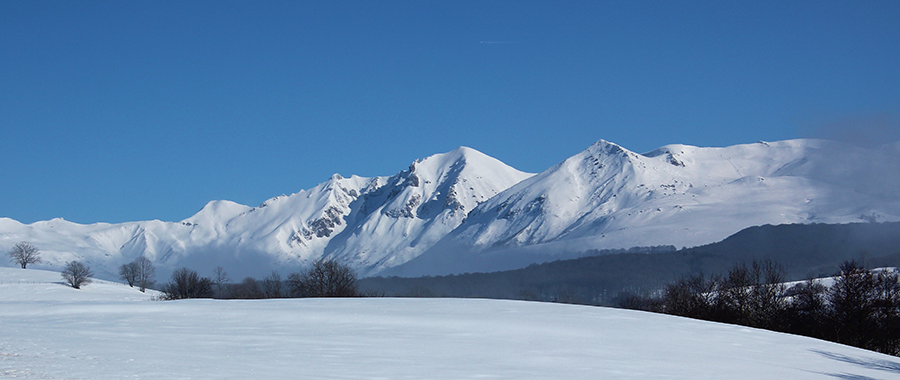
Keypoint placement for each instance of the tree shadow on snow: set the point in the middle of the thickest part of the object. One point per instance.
(892, 367)
(847, 376)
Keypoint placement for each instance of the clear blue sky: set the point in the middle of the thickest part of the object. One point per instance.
(134, 110)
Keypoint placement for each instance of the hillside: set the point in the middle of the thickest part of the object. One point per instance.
(805, 251)
(40, 286)
(369, 223)
(608, 197)
(57, 336)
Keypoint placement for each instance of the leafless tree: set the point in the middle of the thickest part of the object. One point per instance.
(852, 299)
(77, 274)
(220, 278)
(25, 253)
(144, 272)
(187, 283)
(140, 272)
(325, 278)
(272, 285)
(692, 296)
(247, 289)
(128, 273)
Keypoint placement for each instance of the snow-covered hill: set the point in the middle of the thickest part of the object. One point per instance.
(49, 332)
(609, 197)
(370, 223)
(34, 286)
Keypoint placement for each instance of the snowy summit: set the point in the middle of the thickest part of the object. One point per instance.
(447, 212)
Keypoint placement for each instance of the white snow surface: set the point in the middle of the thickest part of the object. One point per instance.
(464, 211)
(106, 331)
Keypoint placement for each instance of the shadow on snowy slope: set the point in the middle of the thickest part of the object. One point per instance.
(874, 364)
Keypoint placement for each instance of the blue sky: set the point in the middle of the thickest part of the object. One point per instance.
(135, 110)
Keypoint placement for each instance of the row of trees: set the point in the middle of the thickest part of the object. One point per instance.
(324, 278)
(861, 308)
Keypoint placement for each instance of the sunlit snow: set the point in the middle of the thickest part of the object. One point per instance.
(111, 331)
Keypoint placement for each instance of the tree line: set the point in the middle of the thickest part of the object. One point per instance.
(324, 278)
(860, 308)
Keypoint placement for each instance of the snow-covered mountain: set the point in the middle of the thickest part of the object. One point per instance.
(370, 223)
(463, 211)
(609, 197)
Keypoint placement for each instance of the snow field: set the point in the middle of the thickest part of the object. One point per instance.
(112, 333)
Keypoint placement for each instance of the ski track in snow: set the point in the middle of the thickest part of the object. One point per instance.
(110, 331)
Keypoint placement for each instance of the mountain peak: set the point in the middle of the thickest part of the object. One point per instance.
(603, 197)
(454, 157)
(607, 146)
(216, 211)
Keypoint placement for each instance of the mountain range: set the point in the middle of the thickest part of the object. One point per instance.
(464, 211)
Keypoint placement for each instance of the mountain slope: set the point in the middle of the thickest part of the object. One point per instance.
(804, 251)
(609, 197)
(415, 208)
(370, 223)
(463, 211)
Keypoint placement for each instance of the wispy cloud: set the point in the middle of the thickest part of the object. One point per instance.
(867, 130)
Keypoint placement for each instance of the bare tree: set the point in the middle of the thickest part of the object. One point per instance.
(272, 285)
(852, 299)
(144, 272)
(325, 278)
(220, 279)
(25, 253)
(692, 296)
(808, 309)
(768, 304)
(187, 283)
(128, 273)
(77, 274)
(247, 289)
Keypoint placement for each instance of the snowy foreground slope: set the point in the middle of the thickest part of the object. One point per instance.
(463, 211)
(49, 334)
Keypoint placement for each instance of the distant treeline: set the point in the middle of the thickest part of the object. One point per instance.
(324, 278)
(804, 251)
(861, 308)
